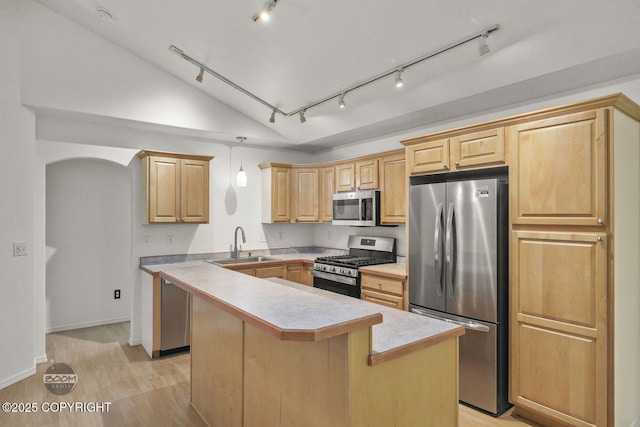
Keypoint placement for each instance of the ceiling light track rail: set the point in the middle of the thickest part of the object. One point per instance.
(396, 71)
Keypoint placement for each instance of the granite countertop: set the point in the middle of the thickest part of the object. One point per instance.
(291, 311)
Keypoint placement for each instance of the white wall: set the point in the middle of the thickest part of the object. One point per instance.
(88, 240)
(17, 208)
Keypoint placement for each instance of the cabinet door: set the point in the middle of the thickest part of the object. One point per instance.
(559, 325)
(345, 177)
(367, 174)
(477, 149)
(194, 191)
(280, 194)
(428, 157)
(163, 190)
(393, 190)
(305, 195)
(307, 276)
(294, 273)
(561, 170)
(328, 188)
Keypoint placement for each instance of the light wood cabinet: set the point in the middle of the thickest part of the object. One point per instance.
(305, 197)
(561, 176)
(393, 189)
(294, 272)
(345, 176)
(271, 271)
(367, 174)
(326, 193)
(384, 290)
(276, 192)
(559, 325)
(176, 187)
(359, 175)
(307, 276)
(460, 152)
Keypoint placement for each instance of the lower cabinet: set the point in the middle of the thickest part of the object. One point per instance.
(273, 271)
(384, 290)
(559, 326)
(298, 272)
(294, 273)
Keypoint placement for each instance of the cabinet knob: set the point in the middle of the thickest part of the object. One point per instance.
(600, 221)
(600, 239)
(445, 166)
(379, 285)
(456, 164)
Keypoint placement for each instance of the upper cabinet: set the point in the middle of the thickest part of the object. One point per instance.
(305, 195)
(561, 173)
(393, 189)
(358, 175)
(328, 186)
(276, 192)
(177, 187)
(466, 151)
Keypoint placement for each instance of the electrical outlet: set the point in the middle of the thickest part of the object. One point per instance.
(169, 239)
(329, 234)
(20, 248)
(280, 234)
(262, 238)
(146, 240)
(116, 294)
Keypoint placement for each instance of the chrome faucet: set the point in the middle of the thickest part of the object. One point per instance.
(234, 254)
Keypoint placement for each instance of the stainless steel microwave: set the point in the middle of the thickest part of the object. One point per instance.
(357, 208)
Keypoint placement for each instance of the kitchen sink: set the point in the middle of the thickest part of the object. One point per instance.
(228, 261)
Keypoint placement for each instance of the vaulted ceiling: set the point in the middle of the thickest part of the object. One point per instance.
(312, 49)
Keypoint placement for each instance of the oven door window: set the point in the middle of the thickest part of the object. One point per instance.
(347, 209)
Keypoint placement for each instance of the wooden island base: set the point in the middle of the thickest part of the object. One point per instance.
(243, 376)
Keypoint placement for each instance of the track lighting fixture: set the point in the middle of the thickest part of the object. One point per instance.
(264, 14)
(341, 103)
(398, 80)
(396, 72)
(200, 75)
(482, 44)
(241, 178)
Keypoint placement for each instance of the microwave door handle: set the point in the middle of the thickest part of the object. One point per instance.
(449, 249)
(437, 250)
(363, 209)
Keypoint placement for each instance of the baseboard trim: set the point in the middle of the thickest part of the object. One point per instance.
(86, 325)
(17, 377)
(135, 341)
(41, 359)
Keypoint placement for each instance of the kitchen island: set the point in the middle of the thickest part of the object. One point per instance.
(267, 353)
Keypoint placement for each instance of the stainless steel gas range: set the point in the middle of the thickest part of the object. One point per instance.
(341, 274)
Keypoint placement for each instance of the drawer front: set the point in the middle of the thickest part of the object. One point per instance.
(383, 299)
(263, 272)
(384, 284)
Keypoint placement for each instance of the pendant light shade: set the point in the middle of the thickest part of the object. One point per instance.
(241, 178)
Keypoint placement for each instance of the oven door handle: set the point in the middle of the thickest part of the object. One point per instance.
(335, 278)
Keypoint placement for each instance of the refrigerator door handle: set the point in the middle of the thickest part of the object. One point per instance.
(437, 249)
(449, 250)
(467, 325)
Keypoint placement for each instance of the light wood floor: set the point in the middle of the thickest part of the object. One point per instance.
(142, 392)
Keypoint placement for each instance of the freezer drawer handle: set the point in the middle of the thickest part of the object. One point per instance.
(467, 325)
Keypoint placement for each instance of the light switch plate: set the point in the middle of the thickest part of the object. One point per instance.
(20, 248)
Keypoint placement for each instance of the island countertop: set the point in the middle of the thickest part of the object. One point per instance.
(289, 311)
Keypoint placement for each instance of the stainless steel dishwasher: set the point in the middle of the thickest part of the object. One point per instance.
(175, 319)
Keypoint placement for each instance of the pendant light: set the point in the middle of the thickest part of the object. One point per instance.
(241, 179)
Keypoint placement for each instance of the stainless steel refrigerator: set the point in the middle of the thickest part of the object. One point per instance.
(458, 271)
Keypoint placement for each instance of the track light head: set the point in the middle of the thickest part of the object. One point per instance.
(272, 119)
(399, 82)
(341, 103)
(302, 118)
(264, 14)
(482, 44)
(200, 75)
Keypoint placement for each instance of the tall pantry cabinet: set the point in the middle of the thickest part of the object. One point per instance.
(575, 195)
